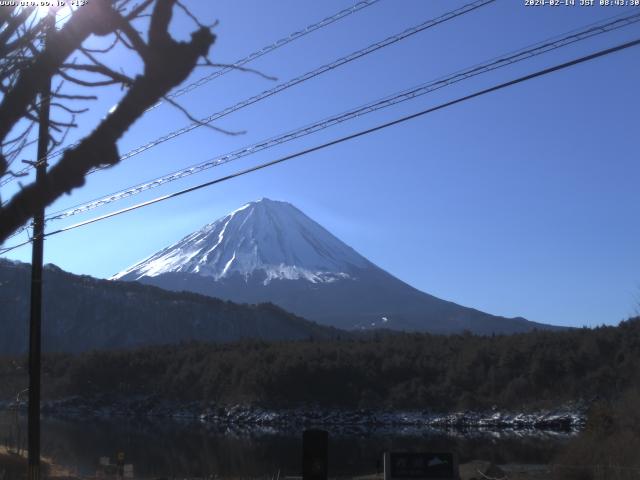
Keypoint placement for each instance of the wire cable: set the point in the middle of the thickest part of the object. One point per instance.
(218, 73)
(410, 94)
(295, 81)
(308, 76)
(539, 73)
(270, 48)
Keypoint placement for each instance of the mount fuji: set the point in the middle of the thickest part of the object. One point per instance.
(269, 251)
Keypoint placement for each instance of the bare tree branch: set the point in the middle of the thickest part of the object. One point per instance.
(135, 13)
(209, 63)
(135, 40)
(13, 24)
(74, 97)
(167, 63)
(195, 120)
(87, 83)
(100, 69)
(57, 143)
(105, 49)
(68, 109)
(96, 17)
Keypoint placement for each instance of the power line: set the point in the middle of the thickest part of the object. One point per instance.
(525, 53)
(295, 81)
(270, 48)
(218, 73)
(307, 76)
(539, 73)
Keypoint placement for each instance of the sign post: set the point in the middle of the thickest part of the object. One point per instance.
(420, 466)
(315, 454)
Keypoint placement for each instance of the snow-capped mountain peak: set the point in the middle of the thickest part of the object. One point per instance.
(269, 251)
(266, 237)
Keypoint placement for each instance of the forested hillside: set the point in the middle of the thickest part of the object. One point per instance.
(423, 371)
(82, 313)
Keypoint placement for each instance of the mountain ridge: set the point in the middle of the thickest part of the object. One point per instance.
(269, 250)
(83, 313)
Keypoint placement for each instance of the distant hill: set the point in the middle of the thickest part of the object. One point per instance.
(269, 251)
(83, 313)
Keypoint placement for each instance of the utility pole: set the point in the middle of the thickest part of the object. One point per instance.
(37, 255)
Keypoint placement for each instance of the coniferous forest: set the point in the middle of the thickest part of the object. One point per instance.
(595, 369)
(378, 370)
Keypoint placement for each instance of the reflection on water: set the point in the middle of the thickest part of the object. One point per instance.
(167, 448)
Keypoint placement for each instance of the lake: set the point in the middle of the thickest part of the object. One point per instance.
(175, 448)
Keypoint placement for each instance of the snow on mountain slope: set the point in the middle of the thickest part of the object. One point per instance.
(263, 236)
(269, 251)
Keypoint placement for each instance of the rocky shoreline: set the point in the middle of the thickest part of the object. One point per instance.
(571, 418)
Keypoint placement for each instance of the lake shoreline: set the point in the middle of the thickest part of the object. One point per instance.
(562, 419)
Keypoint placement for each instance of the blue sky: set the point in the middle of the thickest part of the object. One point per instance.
(522, 202)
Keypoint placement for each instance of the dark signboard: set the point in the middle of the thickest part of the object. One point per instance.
(423, 465)
(315, 454)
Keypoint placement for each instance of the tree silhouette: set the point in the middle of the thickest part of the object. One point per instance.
(25, 60)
